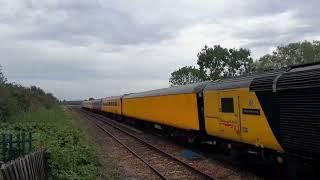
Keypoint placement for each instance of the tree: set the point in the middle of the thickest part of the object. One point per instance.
(212, 61)
(239, 62)
(8, 105)
(3, 79)
(215, 63)
(218, 62)
(185, 75)
(16, 98)
(291, 54)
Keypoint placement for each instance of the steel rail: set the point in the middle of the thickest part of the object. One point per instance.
(103, 119)
(128, 148)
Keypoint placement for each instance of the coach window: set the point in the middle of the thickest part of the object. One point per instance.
(227, 105)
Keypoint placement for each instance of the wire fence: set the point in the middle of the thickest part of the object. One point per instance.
(13, 146)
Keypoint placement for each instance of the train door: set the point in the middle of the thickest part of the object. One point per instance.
(229, 114)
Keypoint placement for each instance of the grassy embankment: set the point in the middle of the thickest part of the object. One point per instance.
(54, 128)
(70, 156)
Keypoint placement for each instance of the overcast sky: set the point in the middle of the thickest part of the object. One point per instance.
(95, 48)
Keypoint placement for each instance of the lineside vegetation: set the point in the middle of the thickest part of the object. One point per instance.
(30, 109)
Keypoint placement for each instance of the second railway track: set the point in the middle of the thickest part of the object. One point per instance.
(161, 163)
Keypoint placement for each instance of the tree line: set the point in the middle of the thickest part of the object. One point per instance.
(15, 98)
(218, 62)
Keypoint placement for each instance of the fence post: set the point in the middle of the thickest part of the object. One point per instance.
(10, 146)
(4, 147)
(30, 141)
(19, 144)
(46, 166)
(23, 142)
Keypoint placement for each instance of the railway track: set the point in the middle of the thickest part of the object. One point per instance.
(161, 163)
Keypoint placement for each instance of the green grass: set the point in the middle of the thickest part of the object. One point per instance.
(70, 156)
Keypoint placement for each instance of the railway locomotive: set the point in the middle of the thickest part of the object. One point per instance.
(275, 115)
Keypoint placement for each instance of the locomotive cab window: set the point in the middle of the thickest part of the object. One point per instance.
(227, 105)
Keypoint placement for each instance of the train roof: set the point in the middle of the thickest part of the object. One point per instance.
(238, 82)
(245, 81)
(184, 89)
(93, 100)
(111, 98)
(304, 67)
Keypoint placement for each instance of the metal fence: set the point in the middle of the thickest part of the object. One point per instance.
(13, 146)
(33, 166)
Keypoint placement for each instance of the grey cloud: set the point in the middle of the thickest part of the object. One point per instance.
(82, 48)
(77, 21)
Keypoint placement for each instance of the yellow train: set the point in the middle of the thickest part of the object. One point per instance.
(275, 114)
(112, 105)
(173, 107)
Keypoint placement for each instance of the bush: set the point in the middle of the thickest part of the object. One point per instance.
(16, 98)
(33, 110)
(70, 157)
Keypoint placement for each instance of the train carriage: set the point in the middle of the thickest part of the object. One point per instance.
(87, 105)
(175, 106)
(233, 112)
(96, 105)
(278, 110)
(112, 105)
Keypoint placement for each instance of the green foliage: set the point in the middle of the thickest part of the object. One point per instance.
(291, 54)
(16, 98)
(215, 63)
(185, 75)
(218, 62)
(8, 105)
(53, 129)
(33, 110)
(212, 61)
(3, 79)
(239, 62)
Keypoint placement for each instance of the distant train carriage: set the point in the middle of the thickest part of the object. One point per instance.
(112, 105)
(96, 104)
(175, 106)
(87, 104)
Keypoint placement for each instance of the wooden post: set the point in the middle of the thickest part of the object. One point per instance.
(3, 147)
(19, 144)
(10, 146)
(30, 141)
(23, 142)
